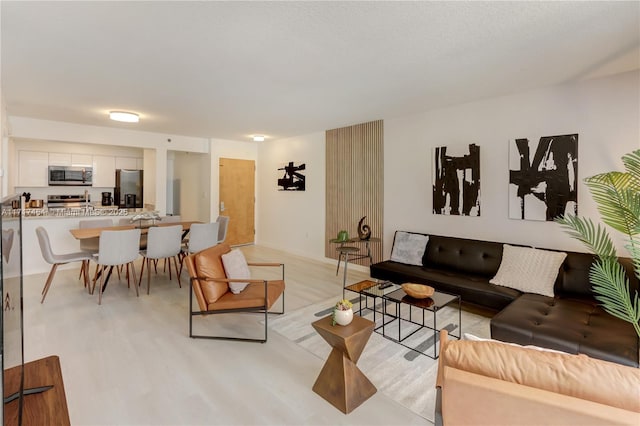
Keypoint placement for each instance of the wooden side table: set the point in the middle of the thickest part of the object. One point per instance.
(340, 381)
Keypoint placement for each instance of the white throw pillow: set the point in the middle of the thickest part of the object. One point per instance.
(409, 248)
(235, 267)
(529, 270)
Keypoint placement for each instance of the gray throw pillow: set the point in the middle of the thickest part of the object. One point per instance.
(409, 248)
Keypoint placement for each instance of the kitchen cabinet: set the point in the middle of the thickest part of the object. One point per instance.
(81, 160)
(129, 163)
(64, 159)
(104, 171)
(59, 159)
(33, 168)
(139, 163)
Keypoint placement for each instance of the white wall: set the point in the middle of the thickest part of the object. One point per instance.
(604, 112)
(193, 172)
(293, 220)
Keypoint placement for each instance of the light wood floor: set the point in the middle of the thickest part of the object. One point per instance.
(130, 361)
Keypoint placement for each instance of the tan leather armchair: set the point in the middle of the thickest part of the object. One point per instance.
(210, 286)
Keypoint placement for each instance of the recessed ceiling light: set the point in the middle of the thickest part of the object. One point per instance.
(258, 138)
(127, 117)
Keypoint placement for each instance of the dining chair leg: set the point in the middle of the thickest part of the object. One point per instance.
(133, 272)
(45, 289)
(85, 264)
(101, 286)
(175, 264)
(144, 260)
(148, 277)
(169, 261)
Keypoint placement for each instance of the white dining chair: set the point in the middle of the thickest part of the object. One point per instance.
(117, 248)
(91, 245)
(223, 224)
(59, 259)
(163, 242)
(202, 236)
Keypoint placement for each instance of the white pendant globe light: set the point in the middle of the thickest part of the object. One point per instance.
(127, 117)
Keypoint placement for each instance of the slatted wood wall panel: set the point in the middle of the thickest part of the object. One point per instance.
(354, 187)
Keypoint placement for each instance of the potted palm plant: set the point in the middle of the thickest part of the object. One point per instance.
(617, 195)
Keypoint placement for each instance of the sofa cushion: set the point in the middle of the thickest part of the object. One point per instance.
(568, 325)
(208, 264)
(578, 376)
(474, 289)
(528, 269)
(463, 255)
(235, 267)
(408, 247)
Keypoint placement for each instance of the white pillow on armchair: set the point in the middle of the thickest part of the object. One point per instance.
(235, 267)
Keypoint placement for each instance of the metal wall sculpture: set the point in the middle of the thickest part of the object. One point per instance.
(545, 186)
(456, 181)
(293, 179)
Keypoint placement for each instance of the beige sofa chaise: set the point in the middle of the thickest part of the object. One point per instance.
(493, 383)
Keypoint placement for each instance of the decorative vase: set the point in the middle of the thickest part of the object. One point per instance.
(343, 317)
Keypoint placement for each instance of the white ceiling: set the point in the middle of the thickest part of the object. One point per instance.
(233, 69)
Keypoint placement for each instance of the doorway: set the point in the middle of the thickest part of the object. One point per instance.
(237, 199)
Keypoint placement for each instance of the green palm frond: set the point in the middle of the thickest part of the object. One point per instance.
(611, 287)
(632, 164)
(618, 197)
(594, 237)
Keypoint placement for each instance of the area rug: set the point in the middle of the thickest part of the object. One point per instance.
(402, 374)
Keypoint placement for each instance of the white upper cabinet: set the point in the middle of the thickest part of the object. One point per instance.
(33, 168)
(65, 159)
(81, 160)
(126, 163)
(104, 171)
(139, 163)
(59, 159)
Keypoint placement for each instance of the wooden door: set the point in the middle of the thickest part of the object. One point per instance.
(237, 199)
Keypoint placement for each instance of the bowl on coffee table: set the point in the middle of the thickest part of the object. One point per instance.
(418, 291)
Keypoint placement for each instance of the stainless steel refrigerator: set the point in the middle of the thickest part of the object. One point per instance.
(128, 191)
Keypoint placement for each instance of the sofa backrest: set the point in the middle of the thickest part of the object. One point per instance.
(472, 256)
(574, 375)
(484, 257)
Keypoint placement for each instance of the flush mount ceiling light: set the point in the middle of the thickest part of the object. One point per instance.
(127, 117)
(258, 138)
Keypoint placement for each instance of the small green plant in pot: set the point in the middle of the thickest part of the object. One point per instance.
(342, 313)
(617, 195)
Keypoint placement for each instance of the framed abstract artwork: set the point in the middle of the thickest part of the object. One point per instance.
(543, 177)
(456, 180)
(292, 177)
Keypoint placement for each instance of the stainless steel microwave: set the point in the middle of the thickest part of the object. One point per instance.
(68, 175)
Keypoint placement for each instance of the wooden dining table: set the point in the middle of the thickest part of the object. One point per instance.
(86, 233)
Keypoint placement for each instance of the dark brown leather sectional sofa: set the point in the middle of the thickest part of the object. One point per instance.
(572, 321)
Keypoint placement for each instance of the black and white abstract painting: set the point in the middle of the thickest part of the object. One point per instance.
(292, 177)
(543, 177)
(456, 180)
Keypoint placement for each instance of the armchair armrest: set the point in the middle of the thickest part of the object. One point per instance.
(264, 264)
(274, 264)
